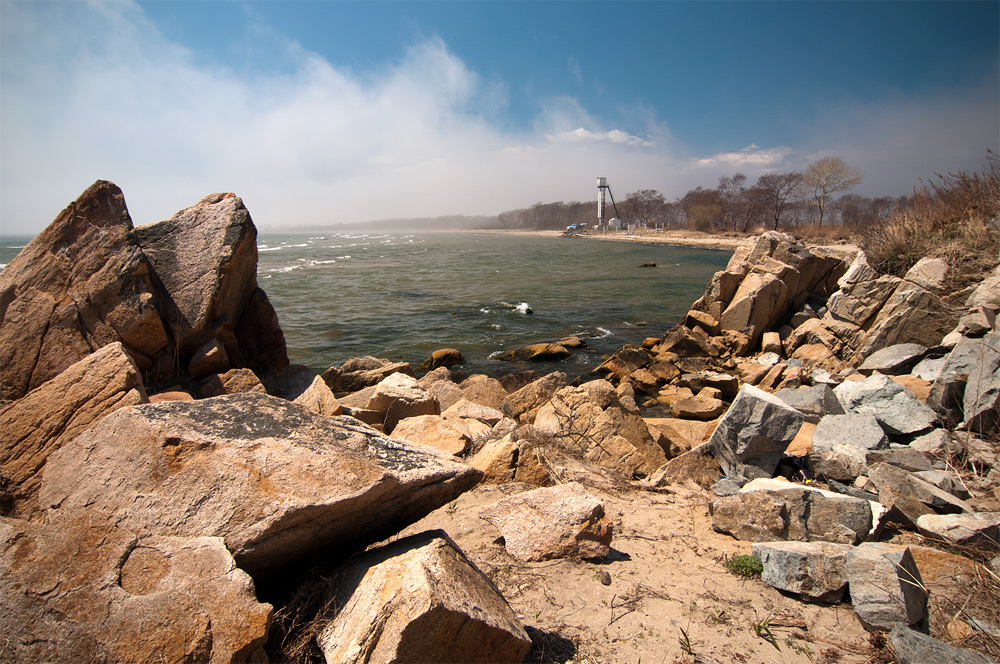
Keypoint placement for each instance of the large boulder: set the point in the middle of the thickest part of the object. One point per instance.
(754, 433)
(77, 588)
(886, 588)
(812, 570)
(968, 387)
(42, 421)
(523, 404)
(897, 410)
(563, 521)
(605, 428)
(913, 647)
(840, 444)
(361, 372)
(275, 481)
(420, 599)
(79, 285)
(399, 396)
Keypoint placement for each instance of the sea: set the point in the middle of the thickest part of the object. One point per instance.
(401, 296)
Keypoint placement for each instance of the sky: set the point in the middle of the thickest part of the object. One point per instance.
(325, 112)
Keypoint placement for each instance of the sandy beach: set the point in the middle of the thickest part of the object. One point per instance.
(727, 242)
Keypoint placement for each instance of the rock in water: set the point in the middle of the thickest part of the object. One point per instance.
(79, 285)
(420, 600)
(275, 481)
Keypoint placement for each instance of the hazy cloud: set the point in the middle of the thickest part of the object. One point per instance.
(94, 90)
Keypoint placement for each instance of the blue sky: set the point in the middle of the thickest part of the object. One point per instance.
(321, 112)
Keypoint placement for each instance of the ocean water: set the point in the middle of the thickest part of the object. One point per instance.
(402, 296)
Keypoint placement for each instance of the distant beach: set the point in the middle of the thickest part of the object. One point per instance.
(678, 238)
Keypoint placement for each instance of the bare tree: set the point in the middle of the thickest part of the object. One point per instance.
(647, 206)
(731, 194)
(775, 191)
(828, 176)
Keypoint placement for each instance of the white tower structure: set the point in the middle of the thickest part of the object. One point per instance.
(602, 187)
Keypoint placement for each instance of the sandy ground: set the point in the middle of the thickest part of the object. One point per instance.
(670, 599)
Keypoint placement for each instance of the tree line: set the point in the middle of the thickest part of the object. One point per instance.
(775, 200)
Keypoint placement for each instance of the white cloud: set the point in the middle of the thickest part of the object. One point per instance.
(750, 157)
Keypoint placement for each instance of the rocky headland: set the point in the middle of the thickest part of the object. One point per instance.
(802, 470)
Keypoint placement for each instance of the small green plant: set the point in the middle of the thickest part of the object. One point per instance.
(762, 630)
(746, 566)
(685, 642)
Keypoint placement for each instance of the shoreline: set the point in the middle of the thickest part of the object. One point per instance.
(678, 238)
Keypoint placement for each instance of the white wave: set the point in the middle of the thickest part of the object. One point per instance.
(259, 249)
(2, 265)
(329, 262)
(603, 333)
(304, 244)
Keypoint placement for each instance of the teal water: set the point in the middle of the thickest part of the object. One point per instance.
(403, 296)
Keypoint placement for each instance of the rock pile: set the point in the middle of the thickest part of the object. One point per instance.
(818, 400)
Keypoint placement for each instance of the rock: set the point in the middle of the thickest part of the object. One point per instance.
(770, 510)
(171, 395)
(943, 480)
(812, 332)
(679, 436)
(79, 285)
(971, 359)
(857, 302)
(704, 320)
(275, 481)
(981, 401)
(48, 417)
(928, 273)
(801, 445)
(399, 397)
(929, 368)
(987, 293)
(891, 360)
(912, 314)
(757, 305)
(977, 322)
(420, 599)
(897, 410)
(687, 342)
(893, 481)
(484, 390)
(813, 570)
(697, 408)
(75, 588)
(914, 461)
(361, 372)
(978, 531)
(471, 410)
(544, 352)
(563, 521)
(886, 588)
(624, 363)
(697, 465)
(443, 357)
(433, 431)
(261, 341)
(912, 647)
(933, 442)
(523, 404)
(771, 343)
(813, 402)
(302, 385)
(602, 427)
(497, 460)
(861, 431)
(233, 381)
(916, 386)
(754, 433)
(446, 392)
(727, 385)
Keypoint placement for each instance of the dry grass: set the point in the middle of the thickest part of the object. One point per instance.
(954, 217)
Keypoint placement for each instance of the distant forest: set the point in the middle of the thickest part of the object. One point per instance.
(774, 201)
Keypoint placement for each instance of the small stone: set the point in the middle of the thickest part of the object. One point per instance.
(605, 578)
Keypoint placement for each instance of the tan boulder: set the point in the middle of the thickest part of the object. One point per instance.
(171, 395)
(543, 352)
(698, 408)
(443, 357)
(593, 419)
(79, 285)
(275, 481)
(39, 423)
(233, 381)
(433, 431)
(361, 372)
(681, 435)
(523, 404)
(912, 314)
(483, 390)
(697, 465)
(757, 305)
(497, 459)
(562, 521)
(300, 384)
(400, 396)
(76, 588)
(420, 599)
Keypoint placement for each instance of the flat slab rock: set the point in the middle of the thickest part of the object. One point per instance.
(275, 481)
(555, 522)
(420, 599)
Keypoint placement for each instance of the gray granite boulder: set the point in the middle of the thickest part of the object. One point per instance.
(913, 647)
(886, 588)
(892, 360)
(968, 387)
(754, 433)
(977, 531)
(896, 409)
(813, 402)
(813, 570)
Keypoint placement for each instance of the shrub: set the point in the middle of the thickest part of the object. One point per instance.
(746, 566)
